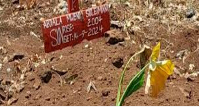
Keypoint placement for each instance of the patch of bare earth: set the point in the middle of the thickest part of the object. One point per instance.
(62, 77)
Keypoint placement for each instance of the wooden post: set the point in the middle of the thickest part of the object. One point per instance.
(73, 6)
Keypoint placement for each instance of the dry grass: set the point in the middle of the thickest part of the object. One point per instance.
(170, 13)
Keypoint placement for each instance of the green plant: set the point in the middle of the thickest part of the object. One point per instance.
(158, 71)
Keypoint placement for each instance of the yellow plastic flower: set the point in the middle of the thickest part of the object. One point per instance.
(158, 72)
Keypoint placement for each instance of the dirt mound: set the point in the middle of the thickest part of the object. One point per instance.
(62, 77)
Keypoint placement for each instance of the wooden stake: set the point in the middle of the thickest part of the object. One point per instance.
(73, 6)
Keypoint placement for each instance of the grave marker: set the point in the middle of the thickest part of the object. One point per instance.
(73, 28)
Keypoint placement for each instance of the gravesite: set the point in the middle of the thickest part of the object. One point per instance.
(99, 53)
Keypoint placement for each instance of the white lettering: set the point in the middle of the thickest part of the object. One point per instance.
(51, 35)
(52, 22)
(74, 16)
(97, 10)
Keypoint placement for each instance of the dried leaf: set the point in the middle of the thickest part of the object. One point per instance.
(144, 56)
(91, 86)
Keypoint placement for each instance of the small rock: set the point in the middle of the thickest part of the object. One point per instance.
(118, 62)
(42, 19)
(105, 60)
(3, 51)
(22, 77)
(190, 13)
(86, 46)
(117, 24)
(37, 97)
(1, 66)
(191, 67)
(16, 56)
(113, 99)
(105, 93)
(8, 70)
(115, 40)
(43, 61)
(19, 87)
(1, 8)
(48, 98)
(100, 78)
(60, 69)
(37, 83)
(46, 76)
(11, 101)
(89, 98)
(5, 59)
(115, 37)
(28, 94)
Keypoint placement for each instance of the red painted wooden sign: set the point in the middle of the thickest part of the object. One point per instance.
(73, 6)
(72, 28)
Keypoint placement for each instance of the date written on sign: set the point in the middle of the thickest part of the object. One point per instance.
(71, 29)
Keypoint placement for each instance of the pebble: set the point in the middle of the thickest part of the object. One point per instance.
(3, 50)
(100, 78)
(105, 93)
(59, 69)
(37, 83)
(191, 67)
(86, 46)
(118, 62)
(1, 66)
(37, 97)
(20, 87)
(89, 98)
(8, 70)
(115, 40)
(48, 98)
(5, 60)
(190, 13)
(28, 94)
(22, 77)
(16, 56)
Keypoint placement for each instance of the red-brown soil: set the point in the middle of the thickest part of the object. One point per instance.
(93, 63)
